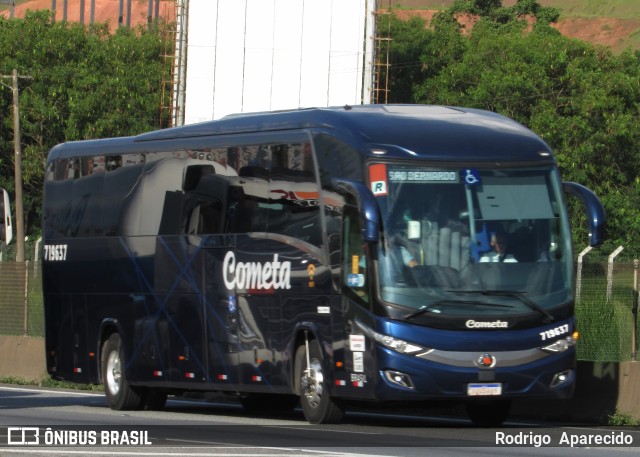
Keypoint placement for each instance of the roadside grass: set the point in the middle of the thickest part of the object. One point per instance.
(604, 329)
(619, 9)
(622, 419)
(35, 316)
(49, 382)
(605, 325)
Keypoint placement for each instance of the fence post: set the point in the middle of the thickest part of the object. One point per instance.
(610, 271)
(584, 252)
(26, 298)
(634, 312)
(36, 257)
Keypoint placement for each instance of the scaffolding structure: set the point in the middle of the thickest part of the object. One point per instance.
(382, 48)
(174, 83)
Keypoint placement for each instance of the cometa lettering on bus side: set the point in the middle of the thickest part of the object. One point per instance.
(493, 324)
(255, 275)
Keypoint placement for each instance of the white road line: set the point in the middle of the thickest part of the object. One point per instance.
(178, 452)
(44, 391)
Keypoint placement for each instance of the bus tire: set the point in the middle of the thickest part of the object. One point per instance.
(491, 413)
(317, 404)
(120, 395)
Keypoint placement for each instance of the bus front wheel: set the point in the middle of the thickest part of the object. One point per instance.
(317, 404)
(120, 395)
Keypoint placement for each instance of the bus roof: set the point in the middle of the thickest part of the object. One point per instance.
(402, 131)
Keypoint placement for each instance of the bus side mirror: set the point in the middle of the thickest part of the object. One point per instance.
(596, 218)
(367, 206)
(6, 229)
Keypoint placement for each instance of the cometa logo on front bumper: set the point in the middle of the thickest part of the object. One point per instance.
(493, 324)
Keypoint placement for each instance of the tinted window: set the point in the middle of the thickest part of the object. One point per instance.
(268, 187)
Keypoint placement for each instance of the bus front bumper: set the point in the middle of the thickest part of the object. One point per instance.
(476, 375)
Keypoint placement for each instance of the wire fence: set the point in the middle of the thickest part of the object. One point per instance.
(607, 311)
(606, 306)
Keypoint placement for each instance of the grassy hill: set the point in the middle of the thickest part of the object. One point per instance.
(570, 8)
(105, 10)
(614, 23)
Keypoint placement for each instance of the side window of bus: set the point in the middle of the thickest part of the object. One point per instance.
(354, 260)
(245, 212)
(336, 159)
(293, 208)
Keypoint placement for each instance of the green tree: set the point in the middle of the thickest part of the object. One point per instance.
(582, 99)
(81, 84)
(493, 10)
(416, 52)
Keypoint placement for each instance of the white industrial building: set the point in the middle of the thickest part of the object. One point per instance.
(235, 56)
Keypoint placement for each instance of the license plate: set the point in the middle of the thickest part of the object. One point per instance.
(477, 390)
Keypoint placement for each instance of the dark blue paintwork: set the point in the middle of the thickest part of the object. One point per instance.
(597, 219)
(404, 131)
(182, 330)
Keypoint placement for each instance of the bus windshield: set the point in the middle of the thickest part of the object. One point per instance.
(469, 242)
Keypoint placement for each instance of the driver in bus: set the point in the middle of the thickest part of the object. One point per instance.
(499, 253)
(406, 246)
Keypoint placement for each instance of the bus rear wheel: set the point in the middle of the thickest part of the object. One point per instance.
(317, 404)
(120, 395)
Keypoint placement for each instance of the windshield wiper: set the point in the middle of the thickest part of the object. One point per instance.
(511, 293)
(426, 308)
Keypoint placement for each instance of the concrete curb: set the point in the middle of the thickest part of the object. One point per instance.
(22, 357)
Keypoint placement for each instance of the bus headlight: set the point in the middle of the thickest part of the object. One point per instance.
(390, 342)
(560, 345)
(397, 345)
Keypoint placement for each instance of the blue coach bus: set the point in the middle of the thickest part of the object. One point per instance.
(327, 257)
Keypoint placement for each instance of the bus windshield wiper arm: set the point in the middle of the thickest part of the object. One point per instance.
(520, 295)
(427, 308)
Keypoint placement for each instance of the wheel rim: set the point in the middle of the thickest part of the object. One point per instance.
(114, 373)
(312, 383)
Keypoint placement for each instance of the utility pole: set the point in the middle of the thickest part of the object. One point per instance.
(17, 169)
(13, 7)
(17, 166)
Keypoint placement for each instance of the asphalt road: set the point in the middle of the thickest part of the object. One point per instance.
(79, 423)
